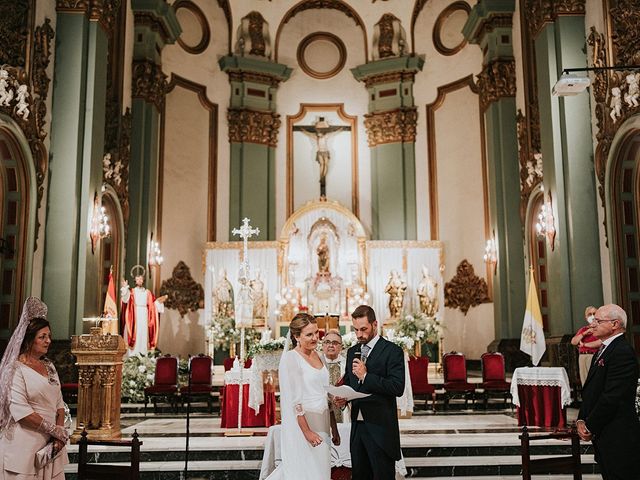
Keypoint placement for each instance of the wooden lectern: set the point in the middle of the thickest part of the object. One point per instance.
(99, 360)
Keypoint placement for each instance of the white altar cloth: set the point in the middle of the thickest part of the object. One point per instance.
(340, 455)
(541, 376)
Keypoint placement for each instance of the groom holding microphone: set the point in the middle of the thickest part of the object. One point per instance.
(374, 366)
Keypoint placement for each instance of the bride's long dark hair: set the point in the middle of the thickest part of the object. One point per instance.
(298, 322)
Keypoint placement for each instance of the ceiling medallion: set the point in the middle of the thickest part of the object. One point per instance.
(316, 58)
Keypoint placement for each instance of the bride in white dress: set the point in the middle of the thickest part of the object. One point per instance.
(306, 417)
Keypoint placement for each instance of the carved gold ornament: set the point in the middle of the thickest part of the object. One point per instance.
(465, 290)
(392, 126)
(149, 82)
(253, 126)
(183, 292)
(541, 12)
(497, 80)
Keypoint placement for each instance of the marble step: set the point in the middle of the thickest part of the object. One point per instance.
(484, 466)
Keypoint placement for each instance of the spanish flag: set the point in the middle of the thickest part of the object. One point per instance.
(110, 311)
(532, 338)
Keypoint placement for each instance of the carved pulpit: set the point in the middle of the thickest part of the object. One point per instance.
(99, 360)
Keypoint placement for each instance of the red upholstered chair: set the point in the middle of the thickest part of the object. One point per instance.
(165, 383)
(455, 378)
(201, 370)
(493, 377)
(418, 372)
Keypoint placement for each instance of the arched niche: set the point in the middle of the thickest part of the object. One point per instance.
(18, 199)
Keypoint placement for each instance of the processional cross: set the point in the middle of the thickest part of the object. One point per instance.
(320, 132)
(245, 232)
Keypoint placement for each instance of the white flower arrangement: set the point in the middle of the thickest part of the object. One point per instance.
(264, 346)
(137, 374)
(406, 343)
(349, 340)
(420, 328)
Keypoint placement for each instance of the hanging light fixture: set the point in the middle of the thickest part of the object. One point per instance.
(545, 226)
(155, 255)
(491, 253)
(100, 227)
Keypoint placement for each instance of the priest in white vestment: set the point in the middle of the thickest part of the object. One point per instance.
(141, 322)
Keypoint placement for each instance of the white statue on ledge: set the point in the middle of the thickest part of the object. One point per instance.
(428, 293)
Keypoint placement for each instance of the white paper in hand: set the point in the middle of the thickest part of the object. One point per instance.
(346, 392)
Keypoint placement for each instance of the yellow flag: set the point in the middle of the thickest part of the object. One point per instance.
(532, 337)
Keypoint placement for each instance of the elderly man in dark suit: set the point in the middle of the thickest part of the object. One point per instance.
(608, 416)
(374, 366)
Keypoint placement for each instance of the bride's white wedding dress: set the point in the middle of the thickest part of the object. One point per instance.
(302, 392)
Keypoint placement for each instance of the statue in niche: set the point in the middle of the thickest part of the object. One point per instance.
(396, 288)
(320, 132)
(323, 256)
(259, 293)
(223, 296)
(244, 304)
(428, 294)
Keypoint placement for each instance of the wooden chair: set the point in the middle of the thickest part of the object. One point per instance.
(201, 386)
(568, 464)
(165, 383)
(455, 378)
(419, 374)
(493, 377)
(96, 471)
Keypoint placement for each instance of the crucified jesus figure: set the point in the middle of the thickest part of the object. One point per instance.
(320, 132)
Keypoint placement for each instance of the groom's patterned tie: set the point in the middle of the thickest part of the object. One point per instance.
(365, 352)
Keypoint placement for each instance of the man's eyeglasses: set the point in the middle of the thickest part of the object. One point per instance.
(598, 321)
(332, 343)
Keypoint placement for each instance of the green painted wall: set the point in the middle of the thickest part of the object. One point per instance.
(71, 271)
(574, 264)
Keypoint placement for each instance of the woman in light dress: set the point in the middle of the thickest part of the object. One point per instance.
(306, 418)
(33, 437)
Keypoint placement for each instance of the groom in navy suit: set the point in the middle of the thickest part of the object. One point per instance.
(608, 415)
(374, 366)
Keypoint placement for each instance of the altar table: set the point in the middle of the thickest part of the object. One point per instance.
(541, 395)
(264, 417)
(340, 455)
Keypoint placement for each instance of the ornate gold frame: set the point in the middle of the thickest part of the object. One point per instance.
(338, 108)
(202, 45)
(437, 40)
(330, 37)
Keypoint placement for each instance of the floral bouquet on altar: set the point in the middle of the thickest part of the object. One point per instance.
(348, 340)
(404, 342)
(265, 346)
(137, 374)
(223, 334)
(420, 328)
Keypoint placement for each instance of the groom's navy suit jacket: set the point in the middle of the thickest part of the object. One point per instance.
(608, 409)
(384, 381)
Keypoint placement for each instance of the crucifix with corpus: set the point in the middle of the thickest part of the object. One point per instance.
(320, 132)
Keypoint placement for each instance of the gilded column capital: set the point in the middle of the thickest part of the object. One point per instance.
(73, 6)
(253, 126)
(542, 12)
(497, 80)
(149, 82)
(392, 126)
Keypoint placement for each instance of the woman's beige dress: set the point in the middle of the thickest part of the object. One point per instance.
(31, 392)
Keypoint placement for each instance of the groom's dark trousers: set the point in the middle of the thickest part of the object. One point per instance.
(375, 436)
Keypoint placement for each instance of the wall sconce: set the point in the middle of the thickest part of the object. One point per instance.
(155, 255)
(99, 223)
(491, 254)
(545, 226)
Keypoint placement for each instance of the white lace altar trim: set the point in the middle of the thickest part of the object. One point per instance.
(543, 377)
(405, 402)
(262, 362)
(232, 377)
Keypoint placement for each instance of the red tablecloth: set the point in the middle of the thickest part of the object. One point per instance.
(266, 415)
(541, 406)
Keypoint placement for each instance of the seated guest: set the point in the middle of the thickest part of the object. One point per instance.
(587, 344)
(332, 348)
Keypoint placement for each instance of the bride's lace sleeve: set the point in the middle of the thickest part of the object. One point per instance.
(291, 384)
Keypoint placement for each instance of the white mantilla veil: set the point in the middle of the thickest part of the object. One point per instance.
(33, 308)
